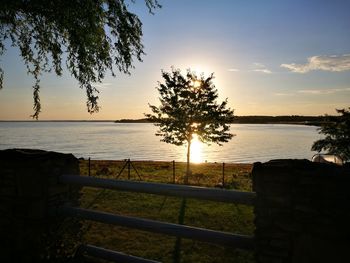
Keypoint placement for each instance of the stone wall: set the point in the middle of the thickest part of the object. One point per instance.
(302, 212)
(29, 192)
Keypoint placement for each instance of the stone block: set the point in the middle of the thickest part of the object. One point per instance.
(280, 243)
(276, 252)
(29, 189)
(310, 249)
(269, 259)
(306, 204)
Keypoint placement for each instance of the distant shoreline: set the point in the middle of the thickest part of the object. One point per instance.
(296, 120)
(287, 119)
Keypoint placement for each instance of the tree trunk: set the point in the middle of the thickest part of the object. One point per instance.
(188, 170)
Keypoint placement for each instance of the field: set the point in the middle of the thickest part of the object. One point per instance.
(206, 214)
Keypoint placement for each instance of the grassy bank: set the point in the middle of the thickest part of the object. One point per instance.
(206, 214)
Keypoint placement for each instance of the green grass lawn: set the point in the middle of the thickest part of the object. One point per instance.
(206, 214)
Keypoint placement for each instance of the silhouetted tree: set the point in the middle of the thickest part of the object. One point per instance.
(188, 106)
(337, 135)
(91, 36)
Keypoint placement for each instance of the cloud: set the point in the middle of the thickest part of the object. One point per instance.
(282, 94)
(326, 63)
(263, 70)
(322, 91)
(311, 92)
(259, 67)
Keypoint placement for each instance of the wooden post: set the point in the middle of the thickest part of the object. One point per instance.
(128, 169)
(223, 174)
(174, 178)
(188, 170)
(89, 166)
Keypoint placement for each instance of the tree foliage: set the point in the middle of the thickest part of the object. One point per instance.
(188, 106)
(93, 37)
(337, 135)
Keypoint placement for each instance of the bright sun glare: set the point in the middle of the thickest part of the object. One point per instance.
(196, 150)
(196, 84)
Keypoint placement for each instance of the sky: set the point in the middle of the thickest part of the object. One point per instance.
(272, 57)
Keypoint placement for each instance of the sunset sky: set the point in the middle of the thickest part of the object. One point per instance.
(273, 57)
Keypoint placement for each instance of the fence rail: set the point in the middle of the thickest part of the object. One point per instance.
(200, 234)
(211, 194)
(112, 255)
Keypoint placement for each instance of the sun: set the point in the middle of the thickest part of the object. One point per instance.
(196, 84)
(196, 150)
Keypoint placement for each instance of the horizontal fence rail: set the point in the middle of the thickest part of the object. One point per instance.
(212, 194)
(200, 234)
(111, 255)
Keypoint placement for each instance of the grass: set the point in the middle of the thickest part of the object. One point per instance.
(206, 214)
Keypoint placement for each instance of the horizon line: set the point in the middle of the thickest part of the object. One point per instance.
(131, 119)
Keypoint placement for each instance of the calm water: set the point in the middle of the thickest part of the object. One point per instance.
(108, 140)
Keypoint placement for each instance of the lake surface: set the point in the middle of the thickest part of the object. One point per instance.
(116, 141)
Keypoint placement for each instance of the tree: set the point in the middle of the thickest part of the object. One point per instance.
(188, 106)
(91, 36)
(337, 135)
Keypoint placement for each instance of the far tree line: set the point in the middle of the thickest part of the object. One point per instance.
(287, 119)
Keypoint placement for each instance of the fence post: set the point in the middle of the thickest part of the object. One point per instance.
(174, 178)
(223, 174)
(89, 166)
(129, 169)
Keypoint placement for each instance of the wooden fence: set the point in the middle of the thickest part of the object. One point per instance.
(129, 166)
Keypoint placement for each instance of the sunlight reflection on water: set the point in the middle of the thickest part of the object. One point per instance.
(196, 150)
